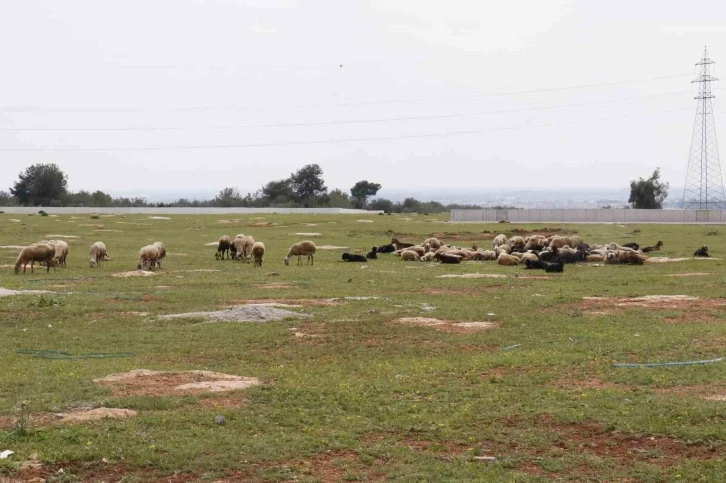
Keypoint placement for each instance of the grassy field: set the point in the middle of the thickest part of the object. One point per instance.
(350, 394)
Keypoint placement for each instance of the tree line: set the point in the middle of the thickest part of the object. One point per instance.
(47, 185)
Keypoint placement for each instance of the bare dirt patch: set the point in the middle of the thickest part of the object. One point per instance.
(291, 302)
(473, 275)
(532, 277)
(85, 415)
(61, 236)
(274, 285)
(159, 218)
(331, 247)
(665, 259)
(694, 274)
(202, 270)
(4, 292)
(13, 247)
(307, 234)
(240, 313)
(447, 325)
(159, 383)
(134, 273)
(691, 309)
(263, 224)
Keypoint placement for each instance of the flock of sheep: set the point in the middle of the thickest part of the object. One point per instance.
(549, 253)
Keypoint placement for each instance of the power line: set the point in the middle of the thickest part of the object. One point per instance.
(345, 103)
(352, 121)
(317, 142)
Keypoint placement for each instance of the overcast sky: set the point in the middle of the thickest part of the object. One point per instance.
(411, 94)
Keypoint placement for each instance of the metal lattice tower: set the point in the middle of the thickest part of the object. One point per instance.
(704, 185)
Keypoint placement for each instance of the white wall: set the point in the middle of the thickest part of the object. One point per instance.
(588, 216)
(25, 210)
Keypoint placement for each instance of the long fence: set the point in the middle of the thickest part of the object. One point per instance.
(587, 216)
(25, 210)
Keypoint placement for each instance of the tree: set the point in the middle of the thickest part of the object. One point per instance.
(228, 197)
(339, 199)
(278, 192)
(363, 190)
(380, 204)
(307, 183)
(40, 185)
(648, 193)
(6, 199)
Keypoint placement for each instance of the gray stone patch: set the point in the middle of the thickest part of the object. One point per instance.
(241, 313)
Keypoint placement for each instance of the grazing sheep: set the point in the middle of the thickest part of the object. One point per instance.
(98, 254)
(38, 252)
(237, 248)
(449, 258)
(61, 252)
(429, 257)
(656, 248)
(303, 248)
(373, 254)
(351, 257)
(248, 243)
(624, 258)
(389, 248)
(223, 247)
(509, 260)
(162, 253)
(148, 256)
(499, 240)
(399, 245)
(434, 243)
(258, 251)
(701, 252)
(409, 256)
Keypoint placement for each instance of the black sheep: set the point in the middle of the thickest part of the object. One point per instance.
(350, 257)
(386, 248)
(656, 248)
(557, 267)
(372, 255)
(632, 245)
(446, 258)
(547, 256)
(570, 257)
(532, 264)
(702, 252)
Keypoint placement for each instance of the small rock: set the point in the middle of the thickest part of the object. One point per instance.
(220, 420)
(104, 460)
(50, 326)
(59, 415)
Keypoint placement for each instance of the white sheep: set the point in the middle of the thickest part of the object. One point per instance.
(258, 251)
(303, 248)
(509, 260)
(148, 256)
(98, 254)
(237, 247)
(162, 253)
(38, 252)
(247, 243)
(61, 252)
(428, 257)
(410, 256)
(516, 242)
(499, 240)
(434, 243)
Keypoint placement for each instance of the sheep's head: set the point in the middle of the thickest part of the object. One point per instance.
(92, 263)
(287, 260)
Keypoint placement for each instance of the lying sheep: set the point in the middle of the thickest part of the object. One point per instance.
(351, 257)
(399, 245)
(516, 242)
(528, 256)
(223, 247)
(162, 253)
(373, 254)
(303, 248)
(148, 256)
(632, 245)
(555, 267)
(701, 252)
(389, 248)
(410, 256)
(656, 248)
(420, 250)
(449, 258)
(61, 252)
(502, 249)
(499, 240)
(98, 254)
(594, 257)
(38, 252)
(508, 260)
(484, 255)
(535, 242)
(258, 251)
(624, 258)
(434, 243)
(429, 257)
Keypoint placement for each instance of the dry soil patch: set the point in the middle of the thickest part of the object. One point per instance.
(331, 247)
(61, 236)
(241, 313)
(307, 234)
(160, 383)
(473, 275)
(84, 415)
(134, 273)
(4, 292)
(694, 274)
(447, 325)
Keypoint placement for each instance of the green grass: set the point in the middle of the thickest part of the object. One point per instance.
(368, 399)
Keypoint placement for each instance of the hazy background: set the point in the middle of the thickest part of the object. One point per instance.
(528, 94)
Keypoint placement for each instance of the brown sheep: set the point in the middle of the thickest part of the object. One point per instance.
(409, 256)
(39, 252)
(303, 248)
(148, 256)
(162, 253)
(624, 258)
(223, 247)
(258, 251)
(509, 260)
